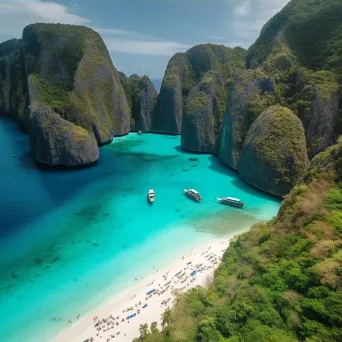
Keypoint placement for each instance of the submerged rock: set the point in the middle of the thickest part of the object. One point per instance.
(274, 156)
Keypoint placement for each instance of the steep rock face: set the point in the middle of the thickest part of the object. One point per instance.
(199, 132)
(245, 103)
(168, 115)
(143, 105)
(301, 47)
(141, 97)
(13, 83)
(62, 73)
(274, 156)
(315, 98)
(71, 68)
(304, 32)
(183, 73)
(58, 142)
(322, 130)
(54, 140)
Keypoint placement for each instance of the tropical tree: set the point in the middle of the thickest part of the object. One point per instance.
(143, 330)
(166, 318)
(154, 328)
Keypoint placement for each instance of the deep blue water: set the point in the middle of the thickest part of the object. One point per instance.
(49, 219)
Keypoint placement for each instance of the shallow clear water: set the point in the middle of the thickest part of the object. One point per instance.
(48, 221)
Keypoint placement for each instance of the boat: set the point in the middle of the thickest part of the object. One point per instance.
(151, 196)
(193, 194)
(234, 202)
(139, 132)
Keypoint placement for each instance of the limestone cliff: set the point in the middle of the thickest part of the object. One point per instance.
(274, 156)
(63, 73)
(300, 47)
(184, 72)
(202, 119)
(58, 142)
(251, 93)
(141, 97)
(76, 78)
(13, 82)
(316, 100)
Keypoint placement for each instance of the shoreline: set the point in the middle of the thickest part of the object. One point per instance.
(206, 257)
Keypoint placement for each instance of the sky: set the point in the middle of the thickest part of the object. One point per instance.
(142, 35)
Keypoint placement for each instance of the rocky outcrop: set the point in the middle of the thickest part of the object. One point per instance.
(245, 103)
(63, 73)
(141, 97)
(58, 142)
(183, 73)
(301, 47)
(274, 156)
(201, 120)
(54, 140)
(322, 131)
(13, 83)
(74, 74)
(168, 115)
(315, 97)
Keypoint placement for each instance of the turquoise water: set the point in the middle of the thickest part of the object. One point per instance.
(48, 221)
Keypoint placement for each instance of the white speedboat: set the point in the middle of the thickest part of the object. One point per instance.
(234, 202)
(151, 196)
(193, 194)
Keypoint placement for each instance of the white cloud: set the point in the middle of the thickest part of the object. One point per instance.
(144, 47)
(243, 9)
(16, 14)
(236, 44)
(251, 16)
(112, 31)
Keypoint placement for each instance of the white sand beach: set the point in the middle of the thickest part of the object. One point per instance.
(108, 322)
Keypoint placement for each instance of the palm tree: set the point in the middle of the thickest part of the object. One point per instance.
(166, 318)
(143, 331)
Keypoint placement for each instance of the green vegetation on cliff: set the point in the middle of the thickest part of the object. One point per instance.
(251, 93)
(72, 73)
(281, 281)
(66, 69)
(141, 98)
(309, 31)
(301, 48)
(13, 83)
(187, 70)
(274, 156)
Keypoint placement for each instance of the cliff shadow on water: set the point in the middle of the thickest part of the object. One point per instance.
(217, 166)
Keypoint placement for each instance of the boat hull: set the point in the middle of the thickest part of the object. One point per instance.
(239, 205)
(191, 196)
